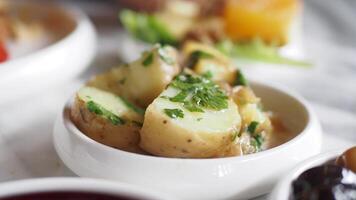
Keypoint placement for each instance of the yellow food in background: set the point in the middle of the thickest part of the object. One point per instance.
(269, 20)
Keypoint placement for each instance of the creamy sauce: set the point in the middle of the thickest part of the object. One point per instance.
(280, 133)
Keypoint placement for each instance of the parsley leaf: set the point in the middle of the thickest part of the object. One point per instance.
(132, 107)
(163, 54)
(240, 79)
(174, 113)
(195, 56)
(198, 92)
(252, 127)
(101, 111)
(148, 60)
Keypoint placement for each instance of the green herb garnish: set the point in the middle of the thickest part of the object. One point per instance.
(132, 106)
(195, 56)
(208, 75)
(148, 60)
(146, 27)
(234, 136)
(252, 127)
(198, 92)
(259, 51)
(174, 113)
(240, 79)
(101, 111)
(257, 142)
(162, 52)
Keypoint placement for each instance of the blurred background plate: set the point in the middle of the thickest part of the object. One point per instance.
(61, 47)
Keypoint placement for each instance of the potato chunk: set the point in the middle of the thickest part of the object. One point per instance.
(142, 80)
(206, 60)
(256, 125)
(107, 118)
(175, 129)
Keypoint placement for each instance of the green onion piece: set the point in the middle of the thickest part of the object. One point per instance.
(259, 51)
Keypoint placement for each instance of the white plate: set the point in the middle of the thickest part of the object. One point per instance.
(44, 185)
(56, 62)
(238, 177)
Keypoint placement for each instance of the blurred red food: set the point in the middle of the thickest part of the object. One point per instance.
(3, 53)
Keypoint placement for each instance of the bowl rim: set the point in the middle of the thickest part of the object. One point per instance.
(76, 14)
(310, 121)
(282, 188)
(76, 184)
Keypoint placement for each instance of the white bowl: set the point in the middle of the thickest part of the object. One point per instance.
(219, 178)
(282, 190)
(31, 186)
(53, 64)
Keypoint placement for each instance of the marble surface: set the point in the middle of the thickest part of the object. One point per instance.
(26, 148)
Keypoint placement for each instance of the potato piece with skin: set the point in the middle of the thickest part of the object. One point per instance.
(188, 134)
(107, 119)
(191, 46)
(204, 59)
(218, 70)
(256, 126)
(144, 79)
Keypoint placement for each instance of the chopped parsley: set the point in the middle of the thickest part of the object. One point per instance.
(197, 93)
(101, 111)
(234, 135)
(240, 79)
(257, 142)
(174, 113)
(252, 127)
(148, 60)
(195, 56)
(163, 54)
(208, 75)
(132, 107)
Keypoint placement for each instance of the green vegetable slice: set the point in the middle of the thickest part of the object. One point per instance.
(257, 50)
(146, 27)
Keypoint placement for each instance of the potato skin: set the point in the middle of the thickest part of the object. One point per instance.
(161, 137)
(125, 137)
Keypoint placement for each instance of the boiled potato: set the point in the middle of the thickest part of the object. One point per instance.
(256, 125)
(174, 129)
(144, 79)
(206, 60)
(191, 47)
(107, 118)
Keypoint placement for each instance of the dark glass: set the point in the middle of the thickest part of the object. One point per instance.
(327, 182)
(67, 196)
